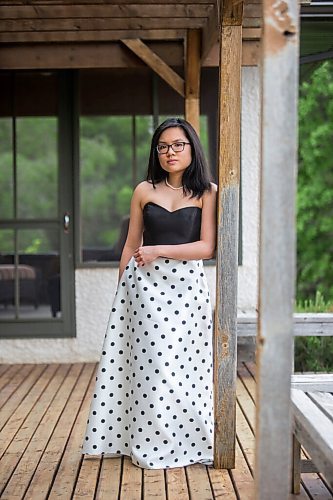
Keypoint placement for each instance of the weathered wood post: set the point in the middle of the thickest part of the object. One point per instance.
(279, 80)
(225, 332)
(192, 78)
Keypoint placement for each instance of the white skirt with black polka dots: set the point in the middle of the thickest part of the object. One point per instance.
(153, 397)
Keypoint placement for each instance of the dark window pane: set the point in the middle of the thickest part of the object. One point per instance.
(40, 273)
(7, 284)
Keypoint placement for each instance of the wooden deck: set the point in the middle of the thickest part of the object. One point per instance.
(42, 420)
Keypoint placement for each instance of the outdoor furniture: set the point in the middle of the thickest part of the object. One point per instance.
(27, 276)
(312, 407)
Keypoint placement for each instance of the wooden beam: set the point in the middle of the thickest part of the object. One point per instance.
(100, 2)
(210, 34)
(82, 24)
(90, 35)
(252, 22)
(156, 64)
(192, 79)
(250, 54)
(51, 11)
(225, 331)
(74, 55)
(251, 34)
(279, 91)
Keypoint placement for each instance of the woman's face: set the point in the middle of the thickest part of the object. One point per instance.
(171, 161)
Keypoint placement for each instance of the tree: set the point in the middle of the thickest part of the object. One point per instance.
(315, 185)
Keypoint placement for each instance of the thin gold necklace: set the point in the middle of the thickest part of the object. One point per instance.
(169, 185)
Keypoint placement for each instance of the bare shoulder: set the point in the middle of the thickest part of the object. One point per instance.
(142, 187)
(210, 196)
(142, 192)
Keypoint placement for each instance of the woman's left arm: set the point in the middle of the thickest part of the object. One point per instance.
(201, 249)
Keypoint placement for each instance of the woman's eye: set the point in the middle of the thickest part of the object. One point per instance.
(178, 144)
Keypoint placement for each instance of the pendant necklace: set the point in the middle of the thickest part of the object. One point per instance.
(169, 185)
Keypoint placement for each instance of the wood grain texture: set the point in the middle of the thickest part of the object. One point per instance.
(314, 429)
(192, 79)
(131, 481)
(50, 460)
(227, 241)
(156, 64)
(296, 467)
(310, 382)
(83, 24)
(175, 482)
(63, 472)
(210, 34)
(153, 484)
(90, 36)
(51, 11)
(303, 325)
(63, 484)
(76, 55)
(279, 83)
(36, 3)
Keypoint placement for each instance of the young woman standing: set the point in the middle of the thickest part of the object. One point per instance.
(153, 398)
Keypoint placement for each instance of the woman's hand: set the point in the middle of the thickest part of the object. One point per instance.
(146, 254)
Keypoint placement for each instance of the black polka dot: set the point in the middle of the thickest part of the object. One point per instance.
(151, 376)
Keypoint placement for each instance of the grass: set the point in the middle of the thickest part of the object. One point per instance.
(314, 354)
(317, 305)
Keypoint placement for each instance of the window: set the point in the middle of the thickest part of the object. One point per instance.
(114, 152)
(36, 268)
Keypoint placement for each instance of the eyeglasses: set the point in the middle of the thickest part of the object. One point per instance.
(177, 147)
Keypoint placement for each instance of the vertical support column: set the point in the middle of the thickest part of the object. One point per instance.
(192, 78)
(134, 155)
(279, 80)
(225, 332)
(155, 100)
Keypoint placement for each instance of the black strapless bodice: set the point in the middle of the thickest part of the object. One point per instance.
(162, 227)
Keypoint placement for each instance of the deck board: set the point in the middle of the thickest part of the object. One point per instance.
(52, 454)
(43, 418)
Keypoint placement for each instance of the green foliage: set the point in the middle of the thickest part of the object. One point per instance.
(314, 354)
(315, 185)
(34, 247)
(316, 305)
(36, 167)
(315, 214)
(106, 173)
(123, 200)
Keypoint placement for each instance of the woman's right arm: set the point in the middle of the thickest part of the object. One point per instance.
(135, 229)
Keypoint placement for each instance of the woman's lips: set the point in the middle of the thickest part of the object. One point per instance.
(170, 162)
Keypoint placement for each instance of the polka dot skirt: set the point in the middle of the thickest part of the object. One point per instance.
(153, 397)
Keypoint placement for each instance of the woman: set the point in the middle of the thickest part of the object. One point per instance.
(153, 397)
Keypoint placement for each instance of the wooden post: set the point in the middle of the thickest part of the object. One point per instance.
(156, 64)
(192, 79)
(225, 332)
(296, 467)
(279, 81)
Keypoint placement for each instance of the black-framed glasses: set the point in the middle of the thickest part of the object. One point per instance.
(177, 147)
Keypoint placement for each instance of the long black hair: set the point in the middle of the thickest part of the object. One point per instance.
(196, 178)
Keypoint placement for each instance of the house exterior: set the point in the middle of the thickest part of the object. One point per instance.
(63, 63)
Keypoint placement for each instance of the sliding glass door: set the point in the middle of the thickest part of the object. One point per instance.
(36, 213)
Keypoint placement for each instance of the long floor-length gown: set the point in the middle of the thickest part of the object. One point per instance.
(153, 397)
